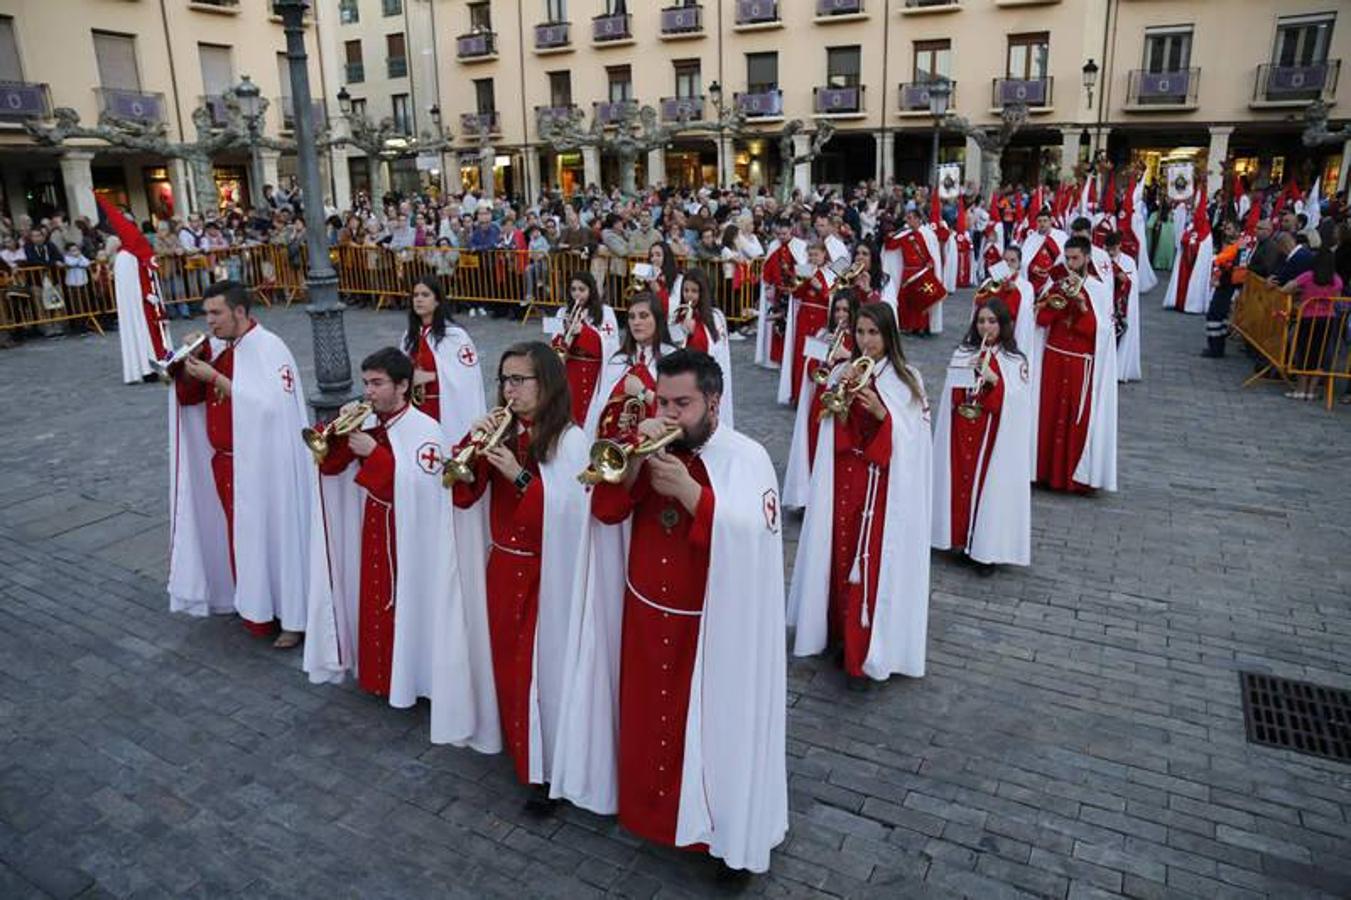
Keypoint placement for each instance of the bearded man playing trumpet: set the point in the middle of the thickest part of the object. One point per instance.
(244, 490)
(869, 500)
(526, 469)
(398, 615)
(699, 671)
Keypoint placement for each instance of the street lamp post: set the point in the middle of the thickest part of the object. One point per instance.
(715, 91)
(252, 108)
(1090, 73)
(332, 362)
(939, 93)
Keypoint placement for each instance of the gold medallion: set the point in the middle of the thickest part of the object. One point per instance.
(670, 517)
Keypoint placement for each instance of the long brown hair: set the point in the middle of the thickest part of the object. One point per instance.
(628, 346)
(973, 340)
(704, 310)
(553, 413)
(595, 310)
(880, 314)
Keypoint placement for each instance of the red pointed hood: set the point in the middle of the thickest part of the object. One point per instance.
(935, 209)
(1201, 214)
(1254, 216)
(1109, 198)
(133, 241)
(961, 214)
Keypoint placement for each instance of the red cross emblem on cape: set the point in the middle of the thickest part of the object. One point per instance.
(288, 379)
(769, 503)
(608, 329)
(429, 458)
(467, 356)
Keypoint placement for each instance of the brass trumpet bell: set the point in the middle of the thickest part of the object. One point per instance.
(165, 368)
(970, 410)
(320, 439)
(460, 467)
(836, 402)
(610, 460)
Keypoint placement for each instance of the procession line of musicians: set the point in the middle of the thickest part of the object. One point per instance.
(590, 575)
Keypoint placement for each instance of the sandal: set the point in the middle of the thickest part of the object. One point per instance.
(287, 640)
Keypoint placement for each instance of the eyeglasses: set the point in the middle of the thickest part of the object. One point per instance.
(515, 380)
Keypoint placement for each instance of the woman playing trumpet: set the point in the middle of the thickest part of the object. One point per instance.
(982, 448)
(447, 383)
(529, 478)
(696, 324)
(839, 342)
(629, 380)
(869, 503)
(808, 311)
(587, 335)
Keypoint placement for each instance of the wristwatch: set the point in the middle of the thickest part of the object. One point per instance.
(523, 480)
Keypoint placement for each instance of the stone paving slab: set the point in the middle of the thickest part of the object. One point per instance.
(1079, 733)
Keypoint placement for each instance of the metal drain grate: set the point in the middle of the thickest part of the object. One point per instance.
(1297, 715)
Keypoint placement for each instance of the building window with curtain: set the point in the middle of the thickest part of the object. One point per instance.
(933, 60)
(354, 69)
(843, 67)
(403, 113)
(1027, 56)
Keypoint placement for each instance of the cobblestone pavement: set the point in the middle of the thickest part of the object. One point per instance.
(1080, 732)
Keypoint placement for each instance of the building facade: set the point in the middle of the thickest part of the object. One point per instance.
(1148, 80)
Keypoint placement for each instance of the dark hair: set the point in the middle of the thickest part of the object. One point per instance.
(849, 296)
(1080, 243)
(1043, 211)
(973, 341)
(704, 310)
(235, 295)
(881, 315)
(1081, 224)
(729, 233)
(1016, 249)
(393, 362)
(1324, 267)
(628, 347)
(707, 373)
(440, 316)
(553, 414)
(1113, 239)
(595, 309)
(610, 220)
(668, 263)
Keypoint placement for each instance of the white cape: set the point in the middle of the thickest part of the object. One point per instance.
(133, 332)
(1001, 523)
(1148, 279)
(720, 351)
(763, 329)
(276, 487)
(785, 395)
(1128, 351)
(899, 623)
(1197, 297)
(609, 340)
(798, 472)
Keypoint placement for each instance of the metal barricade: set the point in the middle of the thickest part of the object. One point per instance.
(1262, 315)
(36, 296)
(1319, 346)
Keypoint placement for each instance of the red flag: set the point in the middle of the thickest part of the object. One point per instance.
(1201, 214)
(1128, 200)
(1034, 208)
(935, 208)
(961, 214)
(1254, 216)
(1109, 198)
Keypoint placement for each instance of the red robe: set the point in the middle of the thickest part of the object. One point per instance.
(813, 311)
(697, 337)
(921, 280)
(583, 366)
(817, 390)
(1040, 266)
(1191, 243)
(965, 457)
(1130, 243)
(1121, 298)
(379, 554)
(1066, 393)
(663, 602)
(425, 358)
(963, 242)
(219, 431)
(608, 425)
(778, 269)
(861, 443)
(516, 519)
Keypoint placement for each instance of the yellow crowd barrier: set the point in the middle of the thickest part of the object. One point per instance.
(1296, 338)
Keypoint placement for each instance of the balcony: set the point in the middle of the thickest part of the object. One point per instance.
(481, 123)
(137, 106)
(354, 73)
(756, 14)
(760, 105)
(553, 113)
(24, 100)
(1162, 91)
(682, 109)
(839, 10)
(229, 7)
(1035, 92)
(215, 107)
(838, 102)
(679, 22)
(615, 29)
(924, 7)
(478, 45)
(397, 66)
(610, 112)
(1279, 86)
(286, 109)
(915, 98)
(551, 37)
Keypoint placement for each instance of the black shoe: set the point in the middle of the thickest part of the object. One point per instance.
(149, 379)
(734, 878)
(859, 684)
(539, 803)
(984, 570)
(1211, 354)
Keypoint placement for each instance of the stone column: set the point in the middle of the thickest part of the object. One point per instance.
(656, 166)
(180, 183)
(269, 164)
(886, 156)
(726, 159)
(1219, 152)
(1069, 152)
(134, 176)
(802, 173)
(975, 164)
(342, 178)
(79, 182)
(590, 166)
(533, 184)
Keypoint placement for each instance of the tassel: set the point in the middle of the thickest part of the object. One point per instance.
(866, 622)
(855, 575)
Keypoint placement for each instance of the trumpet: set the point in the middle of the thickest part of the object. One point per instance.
(837, 400)
(1059, 296)
(167, 367)
(822, 373)
(971, 408)
(990, 287)
(610, 460)
(850, 275)
(460, 466)
(563, 343)
(320, 440)
(418, 395)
